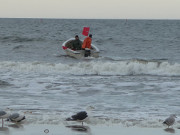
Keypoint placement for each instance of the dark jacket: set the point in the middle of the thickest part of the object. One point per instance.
(76, 44)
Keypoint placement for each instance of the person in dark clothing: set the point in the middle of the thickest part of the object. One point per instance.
(76, 44)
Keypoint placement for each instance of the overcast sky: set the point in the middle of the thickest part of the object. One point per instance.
(95, 9)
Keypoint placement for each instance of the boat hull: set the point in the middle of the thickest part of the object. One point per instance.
(78, 54)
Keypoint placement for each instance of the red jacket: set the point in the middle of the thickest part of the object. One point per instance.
(87, 43)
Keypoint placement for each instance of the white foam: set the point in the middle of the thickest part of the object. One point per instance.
(55, 119)
(96, 68)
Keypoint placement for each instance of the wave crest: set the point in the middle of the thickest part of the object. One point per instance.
(129, 67)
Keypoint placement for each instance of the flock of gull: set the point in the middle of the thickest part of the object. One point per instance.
(80, 117)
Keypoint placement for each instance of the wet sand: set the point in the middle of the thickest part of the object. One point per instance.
(45, 129)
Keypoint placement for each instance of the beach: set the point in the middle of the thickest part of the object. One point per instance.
(47, 129)
(131, 88)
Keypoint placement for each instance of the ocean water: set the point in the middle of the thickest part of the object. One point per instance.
(134, 82)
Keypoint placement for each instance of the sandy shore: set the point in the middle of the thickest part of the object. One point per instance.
(45, 129)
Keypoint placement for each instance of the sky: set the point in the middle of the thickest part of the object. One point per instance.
(91, 9)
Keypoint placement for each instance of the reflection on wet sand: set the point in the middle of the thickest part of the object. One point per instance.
(80, 128)
(169, 130)
(15, 125)
(4, 130)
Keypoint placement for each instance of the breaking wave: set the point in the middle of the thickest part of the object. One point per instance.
(128, 67)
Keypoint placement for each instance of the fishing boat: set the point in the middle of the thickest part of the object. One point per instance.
(78, 54)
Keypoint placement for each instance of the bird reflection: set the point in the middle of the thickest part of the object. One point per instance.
(169, 130)
(4, 130)
(79, 128)
(15, 125)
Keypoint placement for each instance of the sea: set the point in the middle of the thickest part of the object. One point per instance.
(134, 82)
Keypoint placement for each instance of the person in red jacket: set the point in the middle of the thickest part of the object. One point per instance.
(87, 45)
(87, 42)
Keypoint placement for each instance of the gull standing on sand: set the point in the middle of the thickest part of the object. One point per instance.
(3, 115)
(16, 117)
(80, 116)
(170, 120)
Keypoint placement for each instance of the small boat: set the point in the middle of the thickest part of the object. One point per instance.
(78, 54)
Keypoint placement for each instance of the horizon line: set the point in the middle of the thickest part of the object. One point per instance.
(90, 18)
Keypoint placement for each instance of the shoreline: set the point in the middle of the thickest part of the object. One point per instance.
(45, 129)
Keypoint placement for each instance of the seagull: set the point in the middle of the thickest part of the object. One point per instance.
(170, 120)
(3, 115)
(16, 117)
(80, 116)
